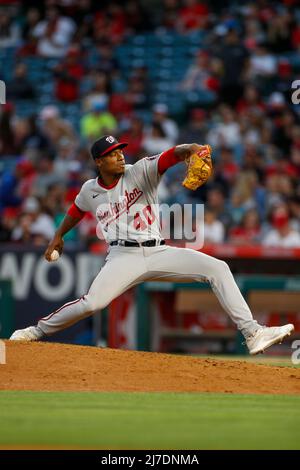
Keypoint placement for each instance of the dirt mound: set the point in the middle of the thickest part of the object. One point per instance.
(58, 367)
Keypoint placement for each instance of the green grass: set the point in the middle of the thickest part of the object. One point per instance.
(149, 420)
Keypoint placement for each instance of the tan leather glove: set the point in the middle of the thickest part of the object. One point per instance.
(199, 168)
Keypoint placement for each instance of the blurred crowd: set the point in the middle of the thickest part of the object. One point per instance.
(247, 61)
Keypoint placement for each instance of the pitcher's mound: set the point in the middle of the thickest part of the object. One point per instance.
(59, 367)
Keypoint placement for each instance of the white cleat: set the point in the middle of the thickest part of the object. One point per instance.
(267, 336)
(32, 333)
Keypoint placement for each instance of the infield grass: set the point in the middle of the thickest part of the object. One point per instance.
(148, 420)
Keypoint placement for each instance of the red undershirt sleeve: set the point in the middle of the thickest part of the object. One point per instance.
(75, 212)
(166, 160)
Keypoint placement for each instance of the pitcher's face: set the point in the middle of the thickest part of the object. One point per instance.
(113, 163)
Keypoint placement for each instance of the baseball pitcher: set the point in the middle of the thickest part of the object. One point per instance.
(124, 201)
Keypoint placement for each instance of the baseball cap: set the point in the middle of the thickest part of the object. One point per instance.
(105, 145)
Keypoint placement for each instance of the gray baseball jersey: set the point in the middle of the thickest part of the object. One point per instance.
(129, 209)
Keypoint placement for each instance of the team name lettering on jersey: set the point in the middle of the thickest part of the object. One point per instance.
(115, 209)
(123, 211)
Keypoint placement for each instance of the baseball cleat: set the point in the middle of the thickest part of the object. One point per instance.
(267, 336)
(32, 333)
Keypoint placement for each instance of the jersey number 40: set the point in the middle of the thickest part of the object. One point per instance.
(144, 218)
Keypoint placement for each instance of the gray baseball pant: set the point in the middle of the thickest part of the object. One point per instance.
(126, 267)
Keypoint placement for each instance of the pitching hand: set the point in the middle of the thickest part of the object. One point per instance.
(56, 243)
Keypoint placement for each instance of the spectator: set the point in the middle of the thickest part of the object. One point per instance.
(83, 14)
(279, 32)
(54, 127)
(199, 75)
(17, 184)
(254, 128)
(35, 225)
(20, 86)
(7, 223)
(282, 234)
(294, 208)
(157, 141)
(134, 136)
(227, 132)
(45, 177)
(169, 14)
(250, 129)
(54, 202)
(21, 232)
(169, 126)
(67, 77)
(136, 94)
(283, 126)
(226, 170)
(110, 23)
(248, 232)
(273, 196)
(105, 59)
(296, 37)
(26, 175)
(135, 97)
(285, 76)
(294, 165)
(31, 20)
(234, 57)
(216, 203)
(192, 16)
(243, 195)
(214, 231)
(65, 158)
(254, 33)
(54, 34)
(250, 101)
(34, 142)
(196, 128)
(122, 105)
(262, 63)
(9, 31)
(253, 159)
(7, 142)
(137, 19)
(100, 90)
(97, 122)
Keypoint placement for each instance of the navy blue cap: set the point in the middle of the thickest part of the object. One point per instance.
(105, 145)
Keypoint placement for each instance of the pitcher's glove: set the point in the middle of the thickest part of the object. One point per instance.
(199, 168)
